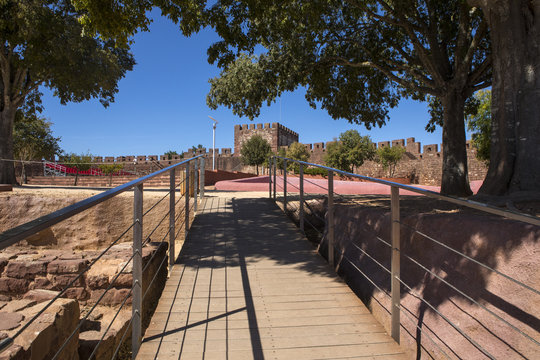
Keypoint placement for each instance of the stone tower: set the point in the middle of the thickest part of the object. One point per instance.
(276, 134)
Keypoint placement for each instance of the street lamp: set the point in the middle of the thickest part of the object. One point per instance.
(213, 143)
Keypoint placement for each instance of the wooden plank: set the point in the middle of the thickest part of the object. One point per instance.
(249, 286)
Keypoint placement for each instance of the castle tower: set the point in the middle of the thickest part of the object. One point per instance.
(276, 134)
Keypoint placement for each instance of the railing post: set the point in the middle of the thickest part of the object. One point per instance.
(186, 210)
(285, 186)
(331, 218)
(172, 217)
(201, 182)
(136, 311)
(395, 263)
(195, 184)
(301, 215)
(270, 178)
(275, 171)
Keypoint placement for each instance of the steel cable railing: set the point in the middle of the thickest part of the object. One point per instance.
(396, 253)
(19, 233)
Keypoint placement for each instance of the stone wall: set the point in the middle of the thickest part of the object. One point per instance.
(276, 134)
(420, 167)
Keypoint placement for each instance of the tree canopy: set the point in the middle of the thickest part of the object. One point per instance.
(299, 152)
(356, 59)
(480, 124)
(388, 157)
(350, 151)
(77, 48)
(255, 151)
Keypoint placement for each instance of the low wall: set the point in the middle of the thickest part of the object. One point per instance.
(508, 246)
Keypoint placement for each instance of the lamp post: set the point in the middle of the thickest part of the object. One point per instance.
(213, 143)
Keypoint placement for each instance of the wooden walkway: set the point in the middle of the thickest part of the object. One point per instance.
(248, 285)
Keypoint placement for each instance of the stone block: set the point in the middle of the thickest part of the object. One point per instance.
(67, 266)
(111, 297)
(97, 281)
(40, 295)
(78, 293)
(13, 286)
(10, 320)
(62, 280)
(18, 305)
(24, 269)
(41, 282)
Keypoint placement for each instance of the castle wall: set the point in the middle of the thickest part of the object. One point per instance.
(276, 134)
(421, 164)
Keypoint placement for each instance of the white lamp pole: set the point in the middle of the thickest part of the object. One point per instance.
(213, 143)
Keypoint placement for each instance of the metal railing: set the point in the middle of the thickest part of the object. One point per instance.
(23, 231)
(396, 254)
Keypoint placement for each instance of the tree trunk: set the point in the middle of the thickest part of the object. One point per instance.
(515, 138)
(7, 168)
(76, 177)
(455, 178)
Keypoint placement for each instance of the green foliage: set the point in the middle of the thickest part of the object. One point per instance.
(109, 169)
(255, 151)
(356, 59)
(169, 154)
(388, 157)
(350, 151)
(296, 151)
(436, 111)
(81, 162)
(316, 171)
(121, 19)
(33, 138)
(480, 124)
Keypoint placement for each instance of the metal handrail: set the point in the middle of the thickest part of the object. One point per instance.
(21, 232)
(395, 243)
(514, 215)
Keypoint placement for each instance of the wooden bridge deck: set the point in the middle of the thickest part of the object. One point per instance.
(248, 285)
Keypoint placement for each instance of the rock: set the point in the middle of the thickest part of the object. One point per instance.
(5, 298)
(14, 352)
(63, 280)
(13, 286)
(40, 295)
(10, 320)
(44, 336)
(112, 297)
(41, 282)
(70, 266)
(97, 281)
(44, 237)
(123, 281)
(2, 304)
(18, 305)
(25, 270)
(78, 293)
(3, 335)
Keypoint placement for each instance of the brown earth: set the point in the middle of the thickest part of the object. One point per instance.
(508, 246)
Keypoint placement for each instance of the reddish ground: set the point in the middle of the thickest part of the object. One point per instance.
(319, 186)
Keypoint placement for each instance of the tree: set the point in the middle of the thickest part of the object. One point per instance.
(255, 151)
(356, 59)
(388, 157)
(110, 169)
(81, 162)
(33, 139)
(43, 44)
(350, 151)
(299, 152)
(77, 48)
(169, 154)
(480, 124)
(514, 166)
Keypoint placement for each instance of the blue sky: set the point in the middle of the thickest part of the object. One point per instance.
(161, 106)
